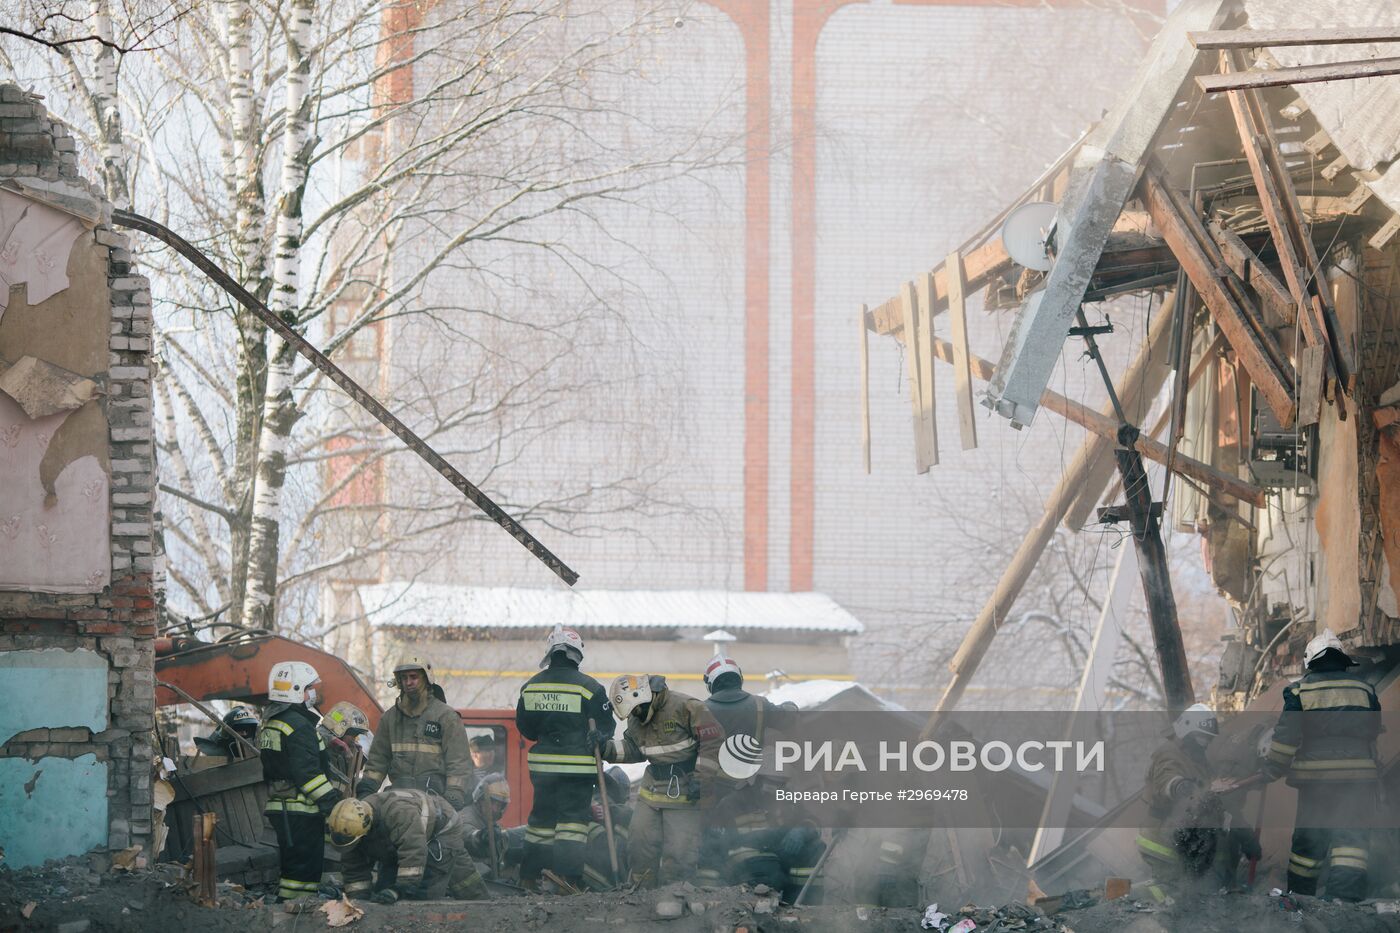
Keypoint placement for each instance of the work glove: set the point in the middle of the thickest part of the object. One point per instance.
(596, 739)
(1250, 848)
(795, 843)
(366, 786)
(695, 788)
(387, 896)
(457, 798)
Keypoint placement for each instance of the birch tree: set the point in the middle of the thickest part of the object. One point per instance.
(453, 172)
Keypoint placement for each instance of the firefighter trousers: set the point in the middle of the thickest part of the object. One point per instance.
(301, 849)
(1330, 832)
(664, 843)
(450, 868)
(556, 833)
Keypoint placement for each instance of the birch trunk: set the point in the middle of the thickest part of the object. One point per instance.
(248, 255)
(107, 109)
(279, 412)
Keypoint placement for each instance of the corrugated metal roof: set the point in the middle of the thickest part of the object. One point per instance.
(425, 605)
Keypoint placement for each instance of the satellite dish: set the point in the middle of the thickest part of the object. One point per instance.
(1025, 231)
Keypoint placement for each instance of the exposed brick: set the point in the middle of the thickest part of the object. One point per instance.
(70, 735)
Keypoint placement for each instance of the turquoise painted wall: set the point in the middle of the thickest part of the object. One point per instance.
(52, 689)
(52, 807)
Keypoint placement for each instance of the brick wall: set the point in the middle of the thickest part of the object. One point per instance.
(116, 624)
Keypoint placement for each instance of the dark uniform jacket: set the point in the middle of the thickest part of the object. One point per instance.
(678, 736)
(1328, 729)
(423, 748)
(295, 765)
(553, 711)
(405, 822)
(740, 712)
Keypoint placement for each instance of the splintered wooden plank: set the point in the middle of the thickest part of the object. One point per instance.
(962, 371)
(1312, 366)
(1302, 74)
(864, 392)
(1278, 38)
(979, 266)
(926, 379)
(911, 351)
(1274, 299)
(1275, 385)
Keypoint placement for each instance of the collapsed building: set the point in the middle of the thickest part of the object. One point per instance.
(1248, 181)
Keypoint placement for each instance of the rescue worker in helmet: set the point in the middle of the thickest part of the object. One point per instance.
(295, 767)
(1325, 742)
(345, 729)
(243, 722)
(741, 839)
(421, 743)
(481, 822)
(1186, 838)
(416, 832)
(680, 739)
(561, 710)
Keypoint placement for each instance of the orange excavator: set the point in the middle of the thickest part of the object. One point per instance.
(236, 670)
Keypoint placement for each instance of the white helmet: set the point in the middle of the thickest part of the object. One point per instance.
(563, 639)
(293, 682)
(628, 692)
(1196, 719)
(1324, 641)
(718, 665)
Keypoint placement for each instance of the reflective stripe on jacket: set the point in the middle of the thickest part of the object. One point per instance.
(1327, 730)
(406, 822)
(295, 763)
(423, 749)
(553, 712)
(678, 735)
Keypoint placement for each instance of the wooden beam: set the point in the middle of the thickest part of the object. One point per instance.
(979, 266)
(916, 393)
(962, 373)
(928, 401)
(1279, 38)
(1185, 240)
(1302, 74)
(1339, 356)
(1273, 298)
(864, 392)
(1106, 427)
(1312, 364)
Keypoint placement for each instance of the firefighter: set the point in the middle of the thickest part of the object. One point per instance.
(1186, 838)
(749, 837)
(345, 730)
(679, 738)
(421, 743)
(417, 832)
(243, 721)
(888, 867)
(597, 866)
(295, 767)
(485, 839)
(560, 709)
(1325, 741)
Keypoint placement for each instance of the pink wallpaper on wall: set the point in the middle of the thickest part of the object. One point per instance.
(62, 547)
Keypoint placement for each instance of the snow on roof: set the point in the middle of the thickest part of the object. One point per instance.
(812, 693)
(431, 605)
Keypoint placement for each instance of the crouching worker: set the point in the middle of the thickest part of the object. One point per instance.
(1187, 838)
(485, 839)
(296, 767)
(415, 830)
(679, 738)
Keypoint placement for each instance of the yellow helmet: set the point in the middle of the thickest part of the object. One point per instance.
(349, 821)
(346, 719)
